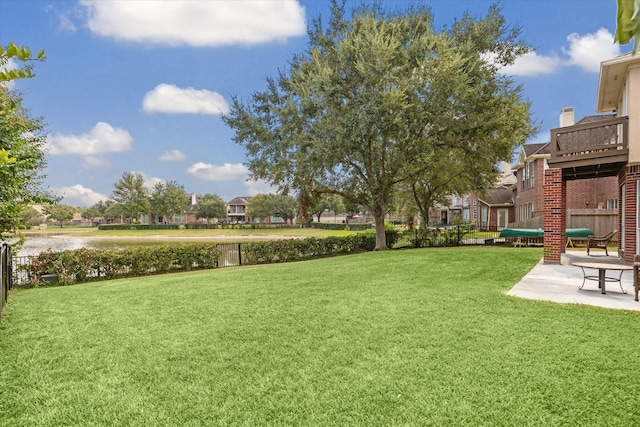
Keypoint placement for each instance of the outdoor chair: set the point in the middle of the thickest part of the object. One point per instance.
(600, 241)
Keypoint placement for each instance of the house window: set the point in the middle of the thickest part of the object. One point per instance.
(526, 211)
(528, 175)
(612, 203)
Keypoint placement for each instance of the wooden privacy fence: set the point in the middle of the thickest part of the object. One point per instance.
(601, 221)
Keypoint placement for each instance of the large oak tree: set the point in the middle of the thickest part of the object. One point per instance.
(377, 98)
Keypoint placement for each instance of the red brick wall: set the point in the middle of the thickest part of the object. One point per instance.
(594, 191)
(555, 217)
(533, 195)
(591, 193)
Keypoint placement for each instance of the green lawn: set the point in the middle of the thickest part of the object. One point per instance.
(414, 337)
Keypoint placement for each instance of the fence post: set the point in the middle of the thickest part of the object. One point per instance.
(239, 253)
(2, 278)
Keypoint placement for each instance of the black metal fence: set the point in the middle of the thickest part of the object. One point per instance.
(450, 235)
(5, 273)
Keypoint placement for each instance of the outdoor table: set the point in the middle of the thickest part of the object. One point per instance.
(602, 277)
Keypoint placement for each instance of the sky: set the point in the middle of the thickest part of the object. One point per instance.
(139, 86)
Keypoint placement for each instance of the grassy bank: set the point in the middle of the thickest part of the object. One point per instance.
(416, 337)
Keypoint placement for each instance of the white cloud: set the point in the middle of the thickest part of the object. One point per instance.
(93, 162)
(166, 98)
(587, 51)
(531, 64)
(66, 24)
(101, 139)
(149, 181)
(196, 23)
(172, 156)
(80, 195)
(259, 187)
(226, 172)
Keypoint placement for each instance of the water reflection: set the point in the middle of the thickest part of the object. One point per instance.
(36, 244)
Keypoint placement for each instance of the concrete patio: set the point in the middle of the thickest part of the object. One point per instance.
(559, 283)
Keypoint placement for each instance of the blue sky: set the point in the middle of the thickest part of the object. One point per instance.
(139, 85)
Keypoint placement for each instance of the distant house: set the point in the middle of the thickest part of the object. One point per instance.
(236, 210)
(495, 209)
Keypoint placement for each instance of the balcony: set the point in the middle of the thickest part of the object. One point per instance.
(590, 150)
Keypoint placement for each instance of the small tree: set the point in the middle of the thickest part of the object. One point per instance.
(211, 206)
(259, 206)
(284, 206)
(326, 202)
(132, 196)
(60, 213)
(169, 199)
(30, 216)
(96, 211)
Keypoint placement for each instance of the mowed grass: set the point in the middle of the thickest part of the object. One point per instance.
(414, 337)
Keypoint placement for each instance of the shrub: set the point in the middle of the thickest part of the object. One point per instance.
(300, 249)
(82, 265)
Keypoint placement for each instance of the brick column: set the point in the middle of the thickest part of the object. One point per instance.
(555, 215)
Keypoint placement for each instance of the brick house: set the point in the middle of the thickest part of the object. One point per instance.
(590, 193)
(604, 148)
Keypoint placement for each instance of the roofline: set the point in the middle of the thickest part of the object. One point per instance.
(624, 60)
(496, 205)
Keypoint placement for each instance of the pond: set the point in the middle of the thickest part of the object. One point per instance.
(58, 242)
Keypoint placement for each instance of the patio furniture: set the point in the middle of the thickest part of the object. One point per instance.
(522, 236)
(602, 277)
(600, 242)
(574, 234)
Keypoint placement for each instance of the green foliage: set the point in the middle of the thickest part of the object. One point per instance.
(96, 211)
(383, 98)
(628, 23)
(341, 226)
(22, 138)
(168, 199)
(259, 206)
(290, 250)
(131, 195)
(211, 206)
(23, 54)
(60, 213)
(30, 216)
(326, 202)
(265, 205)
(82, 265)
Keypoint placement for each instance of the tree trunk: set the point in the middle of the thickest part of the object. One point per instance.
(424, 221)
(381, 237)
